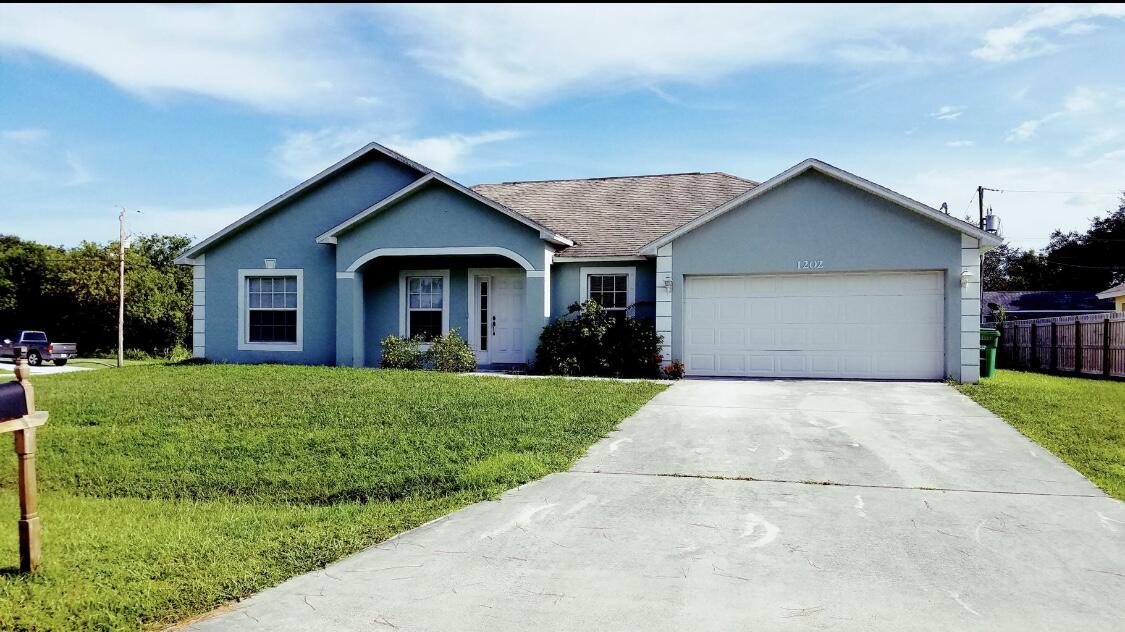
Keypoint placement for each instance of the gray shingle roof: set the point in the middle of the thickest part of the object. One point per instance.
(1042, 301)
(616, 216)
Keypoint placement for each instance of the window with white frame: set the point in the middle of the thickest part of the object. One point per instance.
(271, 305)
(611, 291)
(425, 306)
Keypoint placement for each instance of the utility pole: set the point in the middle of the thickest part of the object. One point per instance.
(121, 290)
(980, 204)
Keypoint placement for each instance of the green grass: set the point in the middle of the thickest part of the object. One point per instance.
(103, 363)
(1081, 420)
(167, 490)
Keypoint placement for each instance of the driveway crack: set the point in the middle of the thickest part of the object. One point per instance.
(751, 479)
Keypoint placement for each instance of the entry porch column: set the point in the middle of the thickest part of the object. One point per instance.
(349, 319)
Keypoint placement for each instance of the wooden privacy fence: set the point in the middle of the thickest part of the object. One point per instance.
(1091, 345)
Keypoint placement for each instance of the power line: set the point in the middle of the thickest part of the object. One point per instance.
(1058, 192)
(1075, 265)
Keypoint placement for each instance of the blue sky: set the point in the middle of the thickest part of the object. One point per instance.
(195, 115)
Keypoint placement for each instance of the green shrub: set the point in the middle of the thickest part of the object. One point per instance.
(402, 353)
(137, 354)
(179, 354)
(451, 353)
(591, 341)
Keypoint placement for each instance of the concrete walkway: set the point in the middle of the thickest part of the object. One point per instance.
(763, 505)
(44, 369)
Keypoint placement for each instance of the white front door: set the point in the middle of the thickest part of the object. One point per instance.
(500, 306)
(869, 325)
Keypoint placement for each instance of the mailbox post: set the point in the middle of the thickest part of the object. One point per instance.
(18, 416)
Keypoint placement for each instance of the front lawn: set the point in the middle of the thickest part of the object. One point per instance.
(167, 490)
(1081, 420)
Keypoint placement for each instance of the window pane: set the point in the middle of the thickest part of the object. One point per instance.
(425, 324)
(255, 285)
(291, 300)
(415, 301)
(415, 284)
(291, 284)
(609, 290)
(273, 326)
(435, 299)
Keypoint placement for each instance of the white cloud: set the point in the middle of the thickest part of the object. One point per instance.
(275, 58)
(305, 153)
(960, 143)
(29, 157)
(521, 53)
(1029, 128)
(1027, 218)
(1083, 105)
(948, 113)
(76, 222)
(1079, 28)
(24, 136)
(79, 173)
(1028, 36)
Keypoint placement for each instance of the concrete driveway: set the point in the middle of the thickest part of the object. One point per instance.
(756, 505)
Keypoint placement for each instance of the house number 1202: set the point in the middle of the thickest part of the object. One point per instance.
(810, 264)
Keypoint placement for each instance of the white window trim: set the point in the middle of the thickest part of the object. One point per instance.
(244, 343)
(630, 282)
(402, 299)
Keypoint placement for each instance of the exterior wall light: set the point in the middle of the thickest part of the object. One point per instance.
(966, 278)
(668, 282)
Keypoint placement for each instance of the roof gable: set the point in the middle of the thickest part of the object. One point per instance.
(307, 185)
(811, 164)
(330, 236)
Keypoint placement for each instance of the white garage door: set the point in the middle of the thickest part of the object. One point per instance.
(870, 325)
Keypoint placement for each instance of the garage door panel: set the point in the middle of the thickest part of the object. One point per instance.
(701, 311)
(732, 310)
(702, 336)
(734, 364)
(762, 338)
(732, 338)
(701, 363)
(762, 310)
(881, 325)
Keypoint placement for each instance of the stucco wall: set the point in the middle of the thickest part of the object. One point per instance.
(566, 284)
(288, 235)
(434, 217)
(439, 217)
(381, 294)
(816, 217)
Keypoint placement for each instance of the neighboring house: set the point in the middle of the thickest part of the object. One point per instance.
(813, 273)
(1117, 293)
(1042, 304)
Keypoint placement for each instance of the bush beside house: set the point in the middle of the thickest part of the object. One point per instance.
(591, 341)
(449, 353)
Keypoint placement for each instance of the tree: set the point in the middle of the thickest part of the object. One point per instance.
(1092, 260)
(72, 294)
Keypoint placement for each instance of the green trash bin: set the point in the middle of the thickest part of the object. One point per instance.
(989, 341)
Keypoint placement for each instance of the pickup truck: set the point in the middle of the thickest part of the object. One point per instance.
(38, 348)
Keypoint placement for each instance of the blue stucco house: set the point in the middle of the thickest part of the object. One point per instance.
(813, 273)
